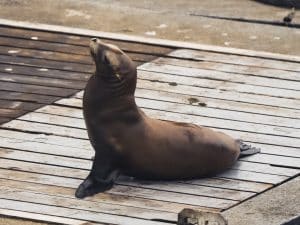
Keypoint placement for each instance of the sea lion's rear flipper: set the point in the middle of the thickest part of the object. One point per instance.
(247, 150)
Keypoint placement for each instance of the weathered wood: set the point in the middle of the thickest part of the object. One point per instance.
(61, 111)
(43, 81)
(275, 160)
(238, 73)
(26, 51)
(230, 184)
(189, 189)
(214, 103)
(124, 190)
(46, 159)
(11, 113)
(164, 186)
(278, 150)
(74, 132)
(253, 176)
(73, 213)
(46, 129)
(46, 64)
(199, 111)
(59, 52)
(25, 166)
(36, 89)
(81, 40)
(45, 148)
(265, 168)
(71, 203)
(235, 59)
(220, 94)
(41, 217)
(49, 139)
(104, 197)
(221, 183)
(203, 120)
(43, 72)
(4, 119)
(26, 97)
(66, 121)
(146, 40)
(26, 106)
(165, 74)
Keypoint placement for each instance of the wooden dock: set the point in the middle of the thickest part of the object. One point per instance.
(45, 152)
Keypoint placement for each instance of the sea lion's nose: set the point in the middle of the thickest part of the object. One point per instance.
(94, 39)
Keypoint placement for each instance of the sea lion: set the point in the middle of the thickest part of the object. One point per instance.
(127, 141)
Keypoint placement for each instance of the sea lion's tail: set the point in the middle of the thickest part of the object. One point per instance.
(246, 149)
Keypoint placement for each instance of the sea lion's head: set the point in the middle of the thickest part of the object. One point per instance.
(111, 62)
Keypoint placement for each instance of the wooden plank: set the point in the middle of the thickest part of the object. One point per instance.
(205, 119)
(73, 213)
(164, 186)
(123, 190)
(46, 129)
(238, 73)
(46, 159)
(43, 72)
(72, 203)
(235, 59)
(189, 189)
(214, 103)
(278, 150)
(146, 40)
(59, 52)
(192, 109)
(41, 217)
(264, 168)
(19, 165)
(27, 97)
(66, 121)
(253, 176)
(220, 94)
(43, 81)
(40, 45)
(162, 74)
(275, 160)
(45, 148)
(36, 89)
(247, 136)
(11, 113)
(49, 139)
(4, 119)
(254, 137)
(105, 197)
(26, 106)
(229, 184)
(61, 111)
(46, 64)
(23, 49)
(81, 40)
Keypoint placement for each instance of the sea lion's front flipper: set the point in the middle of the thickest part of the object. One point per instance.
(102, 176)
(246, 150)
(93, 185)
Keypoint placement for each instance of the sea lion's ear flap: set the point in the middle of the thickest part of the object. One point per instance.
(111, 58)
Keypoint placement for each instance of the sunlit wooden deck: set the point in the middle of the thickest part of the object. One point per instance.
(45, 152)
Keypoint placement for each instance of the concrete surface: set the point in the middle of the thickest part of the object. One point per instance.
(169, 19)
(273, 207)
